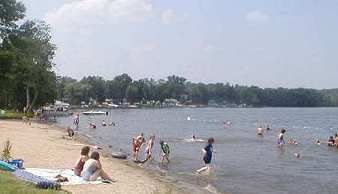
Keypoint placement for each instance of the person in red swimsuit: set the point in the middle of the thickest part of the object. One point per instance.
(81, 161)
(137, 144)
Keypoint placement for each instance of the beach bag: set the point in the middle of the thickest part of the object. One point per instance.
(17, 163)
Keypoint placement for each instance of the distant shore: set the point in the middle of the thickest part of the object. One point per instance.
(45, 146)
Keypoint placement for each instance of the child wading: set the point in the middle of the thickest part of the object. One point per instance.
(166, 151)
(207, 155)
(281, 141)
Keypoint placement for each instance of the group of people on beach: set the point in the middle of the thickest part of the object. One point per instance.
(138, 141)
(89, 166)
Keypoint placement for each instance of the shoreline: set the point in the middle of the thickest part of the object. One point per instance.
(44, 145)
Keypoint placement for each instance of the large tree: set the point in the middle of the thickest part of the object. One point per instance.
(33, 59)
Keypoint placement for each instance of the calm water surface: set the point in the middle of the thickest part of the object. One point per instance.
(243, 162)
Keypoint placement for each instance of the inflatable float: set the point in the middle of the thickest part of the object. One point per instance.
(7, 167)
(119, 155)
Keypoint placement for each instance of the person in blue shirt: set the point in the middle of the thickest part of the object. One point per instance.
(207, 155)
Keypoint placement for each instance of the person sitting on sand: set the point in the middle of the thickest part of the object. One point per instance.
(92, 125)
(166, 151)
(281, 138)
(104, 123)
(81, 161)
(70, 132)
(92, 169)
(260, 131)
(331, 141)
(150, 146)
(207, 155)
(137, 144)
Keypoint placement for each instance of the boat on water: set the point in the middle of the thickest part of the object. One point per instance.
(94, 113)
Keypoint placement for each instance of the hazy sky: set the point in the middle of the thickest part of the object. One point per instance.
(269, 43)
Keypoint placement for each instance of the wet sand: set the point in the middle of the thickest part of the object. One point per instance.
(45, 146)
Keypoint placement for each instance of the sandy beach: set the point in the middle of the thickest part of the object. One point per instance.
(44, 146)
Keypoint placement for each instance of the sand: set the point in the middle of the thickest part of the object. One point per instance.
(45, 146)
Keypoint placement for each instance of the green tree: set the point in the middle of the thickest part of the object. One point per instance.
(33, 55)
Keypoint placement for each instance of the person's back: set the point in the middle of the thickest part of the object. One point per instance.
(89, 168)
(165, 148)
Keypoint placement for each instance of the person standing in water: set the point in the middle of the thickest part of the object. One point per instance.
(149, 147)
(76, 121)
(137, 144)
(281, 141)
(166, 151)
(207, 155)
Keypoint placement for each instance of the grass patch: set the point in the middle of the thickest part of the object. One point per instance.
(9, 184)
(11, 115)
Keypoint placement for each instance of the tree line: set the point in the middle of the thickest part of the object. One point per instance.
(26, 54)
(27, 78)
(124, 88)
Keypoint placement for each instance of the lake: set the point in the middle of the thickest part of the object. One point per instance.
(243, 162)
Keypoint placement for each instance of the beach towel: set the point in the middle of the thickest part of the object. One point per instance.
(39, 181)
(50, 175)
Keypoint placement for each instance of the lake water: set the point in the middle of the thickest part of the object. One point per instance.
(243, 162)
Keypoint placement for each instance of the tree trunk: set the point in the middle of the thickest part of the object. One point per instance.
(28, 98)
(36, 94)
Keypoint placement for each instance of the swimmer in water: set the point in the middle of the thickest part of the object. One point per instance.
(193, 138)
(260, 131)
(331, 141)
(92, 125)
(297, 155)
(317, 142)
(292, 141)
(268, 128)
(104, 123)
(188, 118)
(112, 124)
(281, 141)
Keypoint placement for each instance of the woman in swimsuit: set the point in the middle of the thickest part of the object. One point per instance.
(81, 161)
(92, 169)
(150, 147)
(137, 144)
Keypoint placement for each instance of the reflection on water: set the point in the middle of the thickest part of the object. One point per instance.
(243, 162)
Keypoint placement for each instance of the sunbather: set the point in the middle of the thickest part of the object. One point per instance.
(83, 158)
(92, 169)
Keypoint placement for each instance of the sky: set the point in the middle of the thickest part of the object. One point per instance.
(268, 43)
